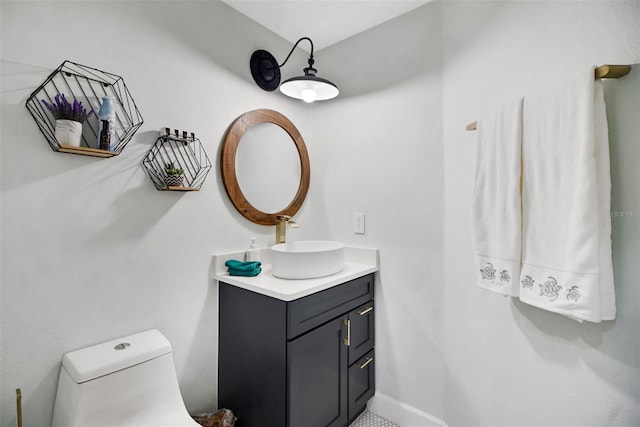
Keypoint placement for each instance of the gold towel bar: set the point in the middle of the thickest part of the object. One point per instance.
(602, 72)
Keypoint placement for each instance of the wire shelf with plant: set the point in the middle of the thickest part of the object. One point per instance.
(177, 162)
(75, 92)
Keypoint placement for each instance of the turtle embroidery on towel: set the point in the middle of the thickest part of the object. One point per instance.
(488, 273)
(527, 282)
(573, 294)
(505, 276)
(550, 289)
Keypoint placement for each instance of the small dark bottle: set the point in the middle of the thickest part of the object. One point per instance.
(105, 136)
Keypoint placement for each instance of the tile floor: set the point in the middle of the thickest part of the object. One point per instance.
(369, 419)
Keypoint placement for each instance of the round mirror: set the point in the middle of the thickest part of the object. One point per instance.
(266, 150)
(265, 166)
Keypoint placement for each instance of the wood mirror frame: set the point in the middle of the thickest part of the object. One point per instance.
(228, 164)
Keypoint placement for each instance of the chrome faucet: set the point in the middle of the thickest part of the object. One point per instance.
(281, 227)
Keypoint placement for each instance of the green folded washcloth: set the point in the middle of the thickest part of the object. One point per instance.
(243, 268)
(242, 265)
(251, 273)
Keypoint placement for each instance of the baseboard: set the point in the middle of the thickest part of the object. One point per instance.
(401, 413)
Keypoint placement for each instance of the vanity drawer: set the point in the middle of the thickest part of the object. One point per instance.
(309, 312)
(361, 332)
(361, 384)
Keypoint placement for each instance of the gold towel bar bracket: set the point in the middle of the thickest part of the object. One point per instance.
(602, 72)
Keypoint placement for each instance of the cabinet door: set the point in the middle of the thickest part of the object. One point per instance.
(318, 377)
(362, 332)
(362, 385)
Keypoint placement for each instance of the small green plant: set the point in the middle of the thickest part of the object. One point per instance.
(64, 110)
(173, 170)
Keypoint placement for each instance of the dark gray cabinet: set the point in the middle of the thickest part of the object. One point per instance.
(302, 363)
(317, 380)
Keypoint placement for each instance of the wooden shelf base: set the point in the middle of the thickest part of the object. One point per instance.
(95, 152)
(181, 188)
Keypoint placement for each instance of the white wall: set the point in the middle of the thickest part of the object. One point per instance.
(90, 249)
(508, 364)
(380, 152)
(448, 348)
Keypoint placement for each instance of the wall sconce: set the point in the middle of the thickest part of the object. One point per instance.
(266, 73)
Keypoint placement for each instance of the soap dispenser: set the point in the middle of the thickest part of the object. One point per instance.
(253, 253)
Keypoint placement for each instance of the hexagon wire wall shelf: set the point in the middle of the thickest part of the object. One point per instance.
(183, 151)
(87, 85)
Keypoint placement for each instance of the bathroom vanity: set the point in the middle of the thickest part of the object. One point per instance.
(298, 353)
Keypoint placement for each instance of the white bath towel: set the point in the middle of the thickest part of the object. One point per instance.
(496, 212)
(566, 253)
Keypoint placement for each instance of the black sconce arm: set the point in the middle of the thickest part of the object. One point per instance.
(294, 47)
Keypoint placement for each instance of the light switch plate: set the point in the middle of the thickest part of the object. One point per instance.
(358, 223)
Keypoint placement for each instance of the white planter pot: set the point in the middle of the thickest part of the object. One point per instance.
(174, 180)
(68, 132)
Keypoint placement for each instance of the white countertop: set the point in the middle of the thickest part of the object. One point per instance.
(358, 262)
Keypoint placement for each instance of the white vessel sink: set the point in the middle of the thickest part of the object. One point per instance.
(307, 259)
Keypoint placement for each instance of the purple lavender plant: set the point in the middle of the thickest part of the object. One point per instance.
(63, 110)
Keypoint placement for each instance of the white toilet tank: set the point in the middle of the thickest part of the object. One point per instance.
(128, 381)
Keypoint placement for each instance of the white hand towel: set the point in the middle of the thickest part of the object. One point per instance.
(496, 212)
(566, 253)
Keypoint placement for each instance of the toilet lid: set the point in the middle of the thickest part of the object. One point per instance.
(92, 362)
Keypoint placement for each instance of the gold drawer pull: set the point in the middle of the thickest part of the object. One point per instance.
(364, 365)
(347, 340)
(365, 311)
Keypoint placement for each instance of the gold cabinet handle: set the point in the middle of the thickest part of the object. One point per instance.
(347, 340)
(365, 311)
(364, 365)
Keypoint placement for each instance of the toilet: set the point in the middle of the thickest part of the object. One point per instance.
(125, 382)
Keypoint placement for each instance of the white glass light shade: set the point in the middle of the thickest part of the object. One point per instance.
(309, 88)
